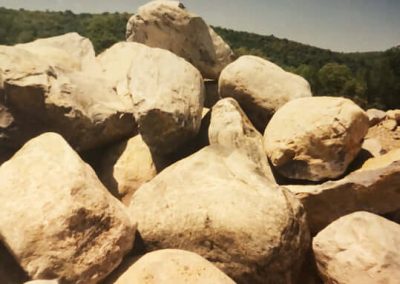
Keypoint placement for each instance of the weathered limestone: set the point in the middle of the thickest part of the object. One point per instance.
(375, 188)
(60, 222)
(40, 97)
(215, 203)
(230, 128)
(260, 87)
(168, 25)
(128, 165)
(316, 144)
(168, 97)
(359, 248)
(172, 266)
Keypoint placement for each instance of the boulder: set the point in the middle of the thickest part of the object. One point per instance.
(359, 248)
(115, 63)
(69, 51)
(168, 97)
(128, 165)
(373, 188)
(230, 128)
(389, 124)
(382, 161)
(260, 87)
(375, 116)
(41, 97)
(316, 144)
(171, 266)
(216, 204)
(60, 222)
(168, 25)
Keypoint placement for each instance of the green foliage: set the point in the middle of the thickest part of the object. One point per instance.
(371, 79)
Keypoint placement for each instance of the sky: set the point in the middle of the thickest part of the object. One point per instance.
(339, 25)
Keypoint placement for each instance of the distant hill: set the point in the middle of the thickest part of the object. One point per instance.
(371, 79)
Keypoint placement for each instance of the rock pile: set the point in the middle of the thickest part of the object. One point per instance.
(164, 160)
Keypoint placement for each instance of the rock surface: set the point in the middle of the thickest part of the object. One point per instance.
(128, 165)
(375, 116)
(260, 87)
(168, 98)
(60, 222)
(375, 190)
(39, 97)
(388, 139)
(230, 128)
(316, 144)
(214, 203)
(168, 25)
(173, 267)
(70, 51)
(359, 248)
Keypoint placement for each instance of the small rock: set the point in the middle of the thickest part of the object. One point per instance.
(394, 115)
(389, 124)
(375, 116)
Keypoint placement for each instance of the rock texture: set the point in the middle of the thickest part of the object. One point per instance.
(230, 128)
(60, 222)
(316, 144)
(382, 161)
(389, 139)
(374, 189)
(214, 203)
(40, 97)
(168, 98)
(260, 87)
(70, 51)
(359, 248)
(173, 267)
(168, 25)
(375, 116)
(128, 165)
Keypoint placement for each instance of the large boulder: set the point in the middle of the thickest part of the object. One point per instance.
(70, 51)
(373, 188)
(61, 222)
(127, 165)
(171, 266)
(260, 87)
(168, 97)
(40, 97)
(216, 204)
(115, 63)
(230, 128)
(168, 25)
(315, 138)
(359, 248)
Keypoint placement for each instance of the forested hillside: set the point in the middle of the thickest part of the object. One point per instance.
(371, 79)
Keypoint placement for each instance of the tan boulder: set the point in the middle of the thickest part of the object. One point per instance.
(216, 204)
(115, 63)
(375, 116)
(394, 114)
(168, 25)
(60, 222)
(382, 161)
(168, 98)
(172, 266)
(230, 128)
(69, 51)
(357, 249)
(316, 144)
(41, 98)
(128, 165)
(389, 139)
(373, 146)
(373, 188)
(260, 87)
(389, 124)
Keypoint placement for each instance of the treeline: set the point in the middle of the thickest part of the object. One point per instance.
(371, 79)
